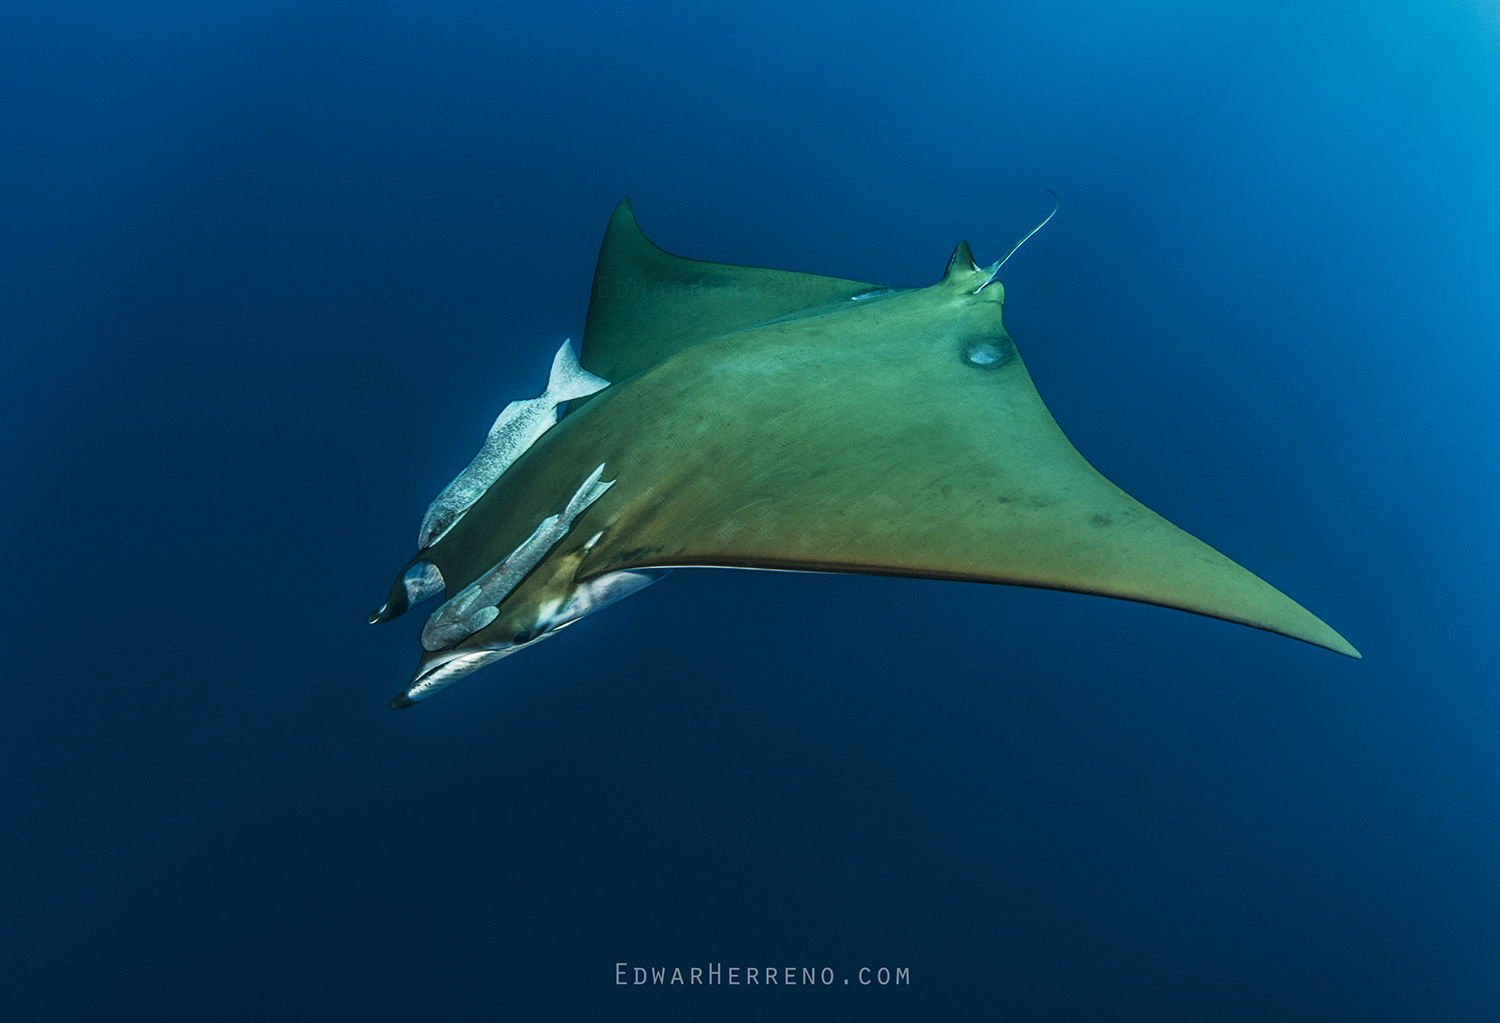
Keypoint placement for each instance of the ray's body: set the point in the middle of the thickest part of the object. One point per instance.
(767, 419)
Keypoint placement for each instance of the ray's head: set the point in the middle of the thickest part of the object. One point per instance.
(550, 599)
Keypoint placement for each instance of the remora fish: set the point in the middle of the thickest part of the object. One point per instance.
(516, 428)
(778, 420)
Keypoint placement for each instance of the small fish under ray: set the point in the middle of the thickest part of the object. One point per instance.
(477, 604)
(516, 428)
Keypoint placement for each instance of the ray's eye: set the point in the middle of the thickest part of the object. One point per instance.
(521, 637)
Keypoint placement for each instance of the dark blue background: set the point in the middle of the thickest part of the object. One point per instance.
(268, 273)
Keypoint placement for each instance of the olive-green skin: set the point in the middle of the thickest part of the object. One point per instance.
(767, 419)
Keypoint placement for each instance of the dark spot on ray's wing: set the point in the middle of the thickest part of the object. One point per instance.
(988, 353)
(1103, 520)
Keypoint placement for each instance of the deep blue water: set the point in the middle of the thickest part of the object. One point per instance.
(270, 270)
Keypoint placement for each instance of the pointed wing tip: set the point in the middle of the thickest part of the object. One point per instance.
(1342, 646)
(1315, 632)
(1325, 638)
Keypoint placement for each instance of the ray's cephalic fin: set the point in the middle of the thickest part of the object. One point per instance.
(458, 638)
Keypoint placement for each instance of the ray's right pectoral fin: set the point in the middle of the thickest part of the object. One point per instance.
(935, 457)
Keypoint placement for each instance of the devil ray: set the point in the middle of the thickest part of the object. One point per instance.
(751, 418)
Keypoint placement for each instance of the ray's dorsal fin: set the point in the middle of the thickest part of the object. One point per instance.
(648, 304)
(964, 274)
(962, 261)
